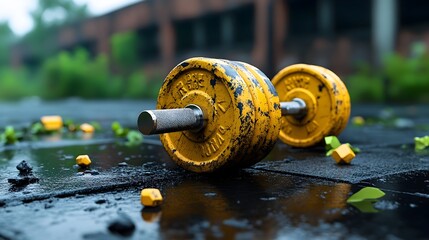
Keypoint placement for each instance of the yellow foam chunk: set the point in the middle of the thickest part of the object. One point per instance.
(52, 123)
(83, 160)
(87, 128)
(358, 121)
(343, 154)
(151, 197)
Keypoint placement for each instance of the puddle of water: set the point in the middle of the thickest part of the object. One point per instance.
(250, 205)
(413, 182)
(56, 164)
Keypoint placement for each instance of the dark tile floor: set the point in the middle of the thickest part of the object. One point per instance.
(292, 194)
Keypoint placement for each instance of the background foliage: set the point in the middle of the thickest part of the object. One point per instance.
(72, 73)
(401, 80)
(77, 73)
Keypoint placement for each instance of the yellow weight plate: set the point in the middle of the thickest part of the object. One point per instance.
(226, 102)
(272, 115)
(321, 95)
(259, 100)
(344, 105)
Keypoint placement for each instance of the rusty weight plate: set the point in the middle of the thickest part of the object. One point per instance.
(322, 96)
(259, 101)
(226, 102)
(270, 113)
(344, 104)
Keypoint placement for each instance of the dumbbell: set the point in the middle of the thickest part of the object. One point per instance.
(217, 114)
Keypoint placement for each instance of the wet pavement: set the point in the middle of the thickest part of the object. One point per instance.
(292, 194)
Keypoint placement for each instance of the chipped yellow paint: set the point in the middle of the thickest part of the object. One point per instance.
(326, 98)
(260, 105)
(226, 102)
(344, 105)
(269, 111)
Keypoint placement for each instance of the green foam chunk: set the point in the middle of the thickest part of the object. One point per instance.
(354, 149)
(331, 142)
(329, 153)
(421, 143)
(366, 193)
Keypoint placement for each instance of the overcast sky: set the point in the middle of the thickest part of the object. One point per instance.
(16, 12)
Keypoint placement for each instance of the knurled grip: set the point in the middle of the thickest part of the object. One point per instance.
(171, 120)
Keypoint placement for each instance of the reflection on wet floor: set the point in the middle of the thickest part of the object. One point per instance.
(56, 165)
(250, 204)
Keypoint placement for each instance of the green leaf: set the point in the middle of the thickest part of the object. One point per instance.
(421, 142)
(38, 128)
(115, 126)
(9, 135)
(118, 130)
(96, 125)
(70, 125)
(365, 206)
(367, 193)
(331, 142)
(134, 138)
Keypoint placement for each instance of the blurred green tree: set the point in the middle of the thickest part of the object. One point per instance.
(47, 17)
(124, 51)
(6, 39)
(75, 74)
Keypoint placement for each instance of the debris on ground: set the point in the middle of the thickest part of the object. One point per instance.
(118, 130)
(365, 198)
(52, 123)
(150, 197)
(83, 161)
(122, 164)
(92, 172)
(134, 138)
(23, 181)
(332, 143)
(25, 175)
(122, 225)
(9, 136)
(24, 168)
(366, 193)
(70, 125)
(343, 154)
(358, 121)
(421, 143)
(355, 149)
(87, 128)
(37, 128)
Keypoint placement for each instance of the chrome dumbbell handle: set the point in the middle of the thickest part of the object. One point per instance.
(171, 120)
(192, 117)
(296, 107)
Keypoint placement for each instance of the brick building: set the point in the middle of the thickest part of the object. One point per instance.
(267, 33)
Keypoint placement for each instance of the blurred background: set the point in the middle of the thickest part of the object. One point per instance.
(118, 49)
